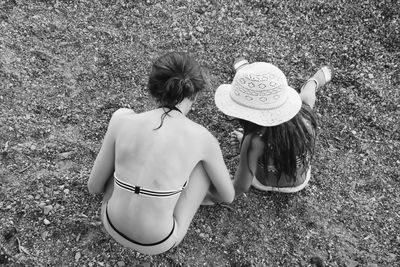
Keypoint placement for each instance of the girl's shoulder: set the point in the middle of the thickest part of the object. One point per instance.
(255, 142)
(200, 136)
(118, 117)
(122, 112)
(199, 131)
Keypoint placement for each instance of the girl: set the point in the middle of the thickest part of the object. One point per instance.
(156, 167)
(279, 126)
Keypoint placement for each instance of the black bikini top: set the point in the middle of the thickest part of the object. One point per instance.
(166, 113)
(171, 108)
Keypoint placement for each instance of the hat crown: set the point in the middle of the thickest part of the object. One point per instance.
(259, 85)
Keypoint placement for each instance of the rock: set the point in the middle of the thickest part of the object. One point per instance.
(44, 235)
(121, 263)
(46, 222)
(47, 209)
(200, 29)
(66, 191)
(351, 263)
(9, 233)
(66, 155)
(317, 261)
(20, 257)
(41, 205)
(77, 256)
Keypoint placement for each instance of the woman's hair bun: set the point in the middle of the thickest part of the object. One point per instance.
(173, 77)
(173, 91)
(188, 85)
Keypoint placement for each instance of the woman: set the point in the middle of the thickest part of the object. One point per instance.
(279, 126)
(156, 167)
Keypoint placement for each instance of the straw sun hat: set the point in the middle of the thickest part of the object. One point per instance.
(259, 93)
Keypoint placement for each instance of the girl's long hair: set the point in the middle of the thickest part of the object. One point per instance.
(289, 144)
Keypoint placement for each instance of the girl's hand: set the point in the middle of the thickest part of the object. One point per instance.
(236, 137)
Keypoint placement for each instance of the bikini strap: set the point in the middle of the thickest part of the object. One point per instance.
(143, 191)
(172, 108)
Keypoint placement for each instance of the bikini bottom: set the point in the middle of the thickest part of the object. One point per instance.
(149, 249)
(257, 184)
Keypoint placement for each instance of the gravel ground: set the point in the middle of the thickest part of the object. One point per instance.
(65, 66)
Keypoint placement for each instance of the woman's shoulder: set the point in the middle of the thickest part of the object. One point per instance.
(118, 116)
(122, 112)
(200, 134)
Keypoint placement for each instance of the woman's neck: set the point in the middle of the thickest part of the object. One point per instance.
(185, 106)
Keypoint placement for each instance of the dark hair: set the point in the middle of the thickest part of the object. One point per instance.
(173, 77)
(288, 144)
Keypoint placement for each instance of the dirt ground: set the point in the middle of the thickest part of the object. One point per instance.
(65, 66)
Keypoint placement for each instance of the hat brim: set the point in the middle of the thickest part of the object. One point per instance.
(263, 117)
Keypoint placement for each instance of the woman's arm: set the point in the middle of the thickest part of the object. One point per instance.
(252, 148)
(213, 162)
(103, 167)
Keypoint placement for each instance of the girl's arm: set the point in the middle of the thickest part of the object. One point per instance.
(252, 148)
(103, 167)
(213, 162)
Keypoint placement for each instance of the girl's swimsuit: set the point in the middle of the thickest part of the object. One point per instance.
(262, 182)
(148, 248)
(146, 192)
(272, 182)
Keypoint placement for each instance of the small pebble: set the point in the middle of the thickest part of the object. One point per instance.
(77, 256)
(44, 235)
(202, 235)
(66, 191)
(46, 222)
(47, 209)
(200, 29)
(121, 264)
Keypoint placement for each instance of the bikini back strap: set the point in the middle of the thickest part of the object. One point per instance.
(172, 108)
(146, 192)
